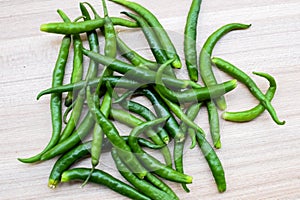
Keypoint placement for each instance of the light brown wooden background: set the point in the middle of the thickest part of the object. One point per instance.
(261, 159)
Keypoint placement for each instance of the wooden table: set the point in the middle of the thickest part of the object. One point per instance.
(261, 159)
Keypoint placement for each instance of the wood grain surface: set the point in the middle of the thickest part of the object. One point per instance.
(260, 158)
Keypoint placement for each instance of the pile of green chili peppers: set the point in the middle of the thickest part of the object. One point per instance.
(93, 103)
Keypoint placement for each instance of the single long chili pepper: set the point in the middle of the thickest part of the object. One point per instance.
(213, 162)
(174, 107)
(145, 187)
(154, 43)
(112, 134)
(77, 67)
(138, 74)
(205, 57)
(103, 178)
(253, 88)
(248, 115)
(158, 28)
(162, 110)
(83, 26)
(198, 94)
(151, 163)
(115, 81)
(132, 121)
(133, 56)
(214, 127)
(190, 38)
(55, 101)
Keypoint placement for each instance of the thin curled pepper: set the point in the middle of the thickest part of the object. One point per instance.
(55, 100)
(248, 115)
(205, 67)
(253, 88)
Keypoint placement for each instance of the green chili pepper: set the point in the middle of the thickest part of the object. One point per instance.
(65, 161)
(190, 37)
(214, 127)
(213, 162)
(55, 101)
(142, 185)
(77, 70)
(83, 26)
(103, 178)
(248, 115)
(198, 94)
(253, 88)
(205, 57)
(158, 28)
